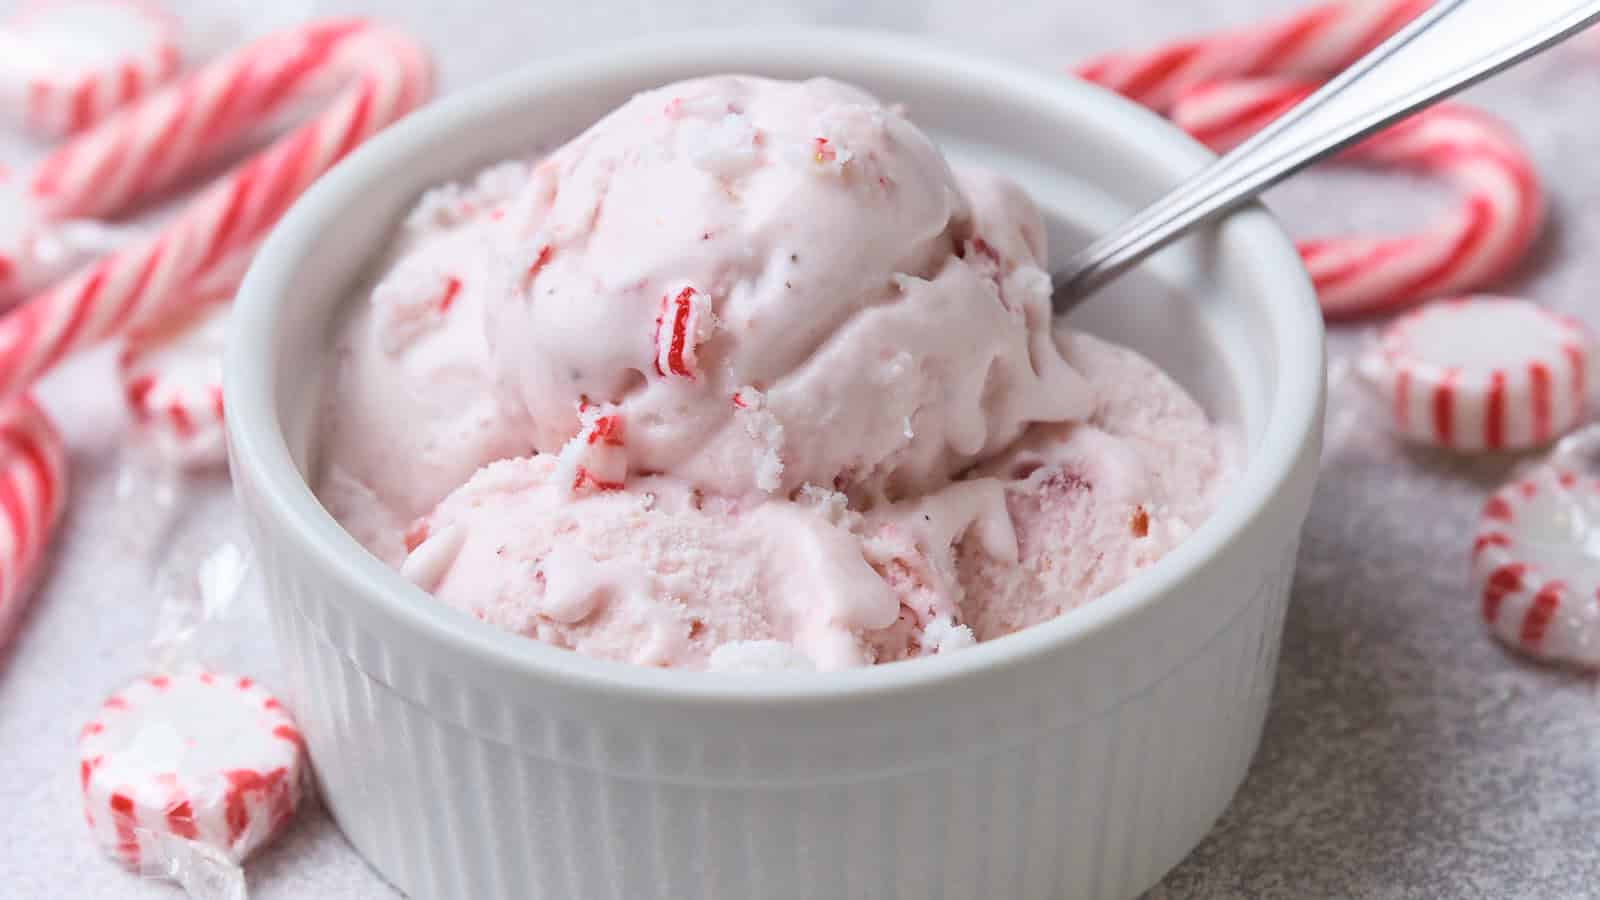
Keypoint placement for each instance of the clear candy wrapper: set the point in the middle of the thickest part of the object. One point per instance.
(200, 592)
(1579, 451)
(203, 872)
(150, 496)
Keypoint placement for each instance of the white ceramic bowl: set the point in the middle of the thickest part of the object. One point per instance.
(1082, 758)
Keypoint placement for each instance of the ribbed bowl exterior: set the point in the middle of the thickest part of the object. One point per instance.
(453, 792)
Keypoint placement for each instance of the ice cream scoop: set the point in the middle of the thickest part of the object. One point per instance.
(776, 284)
(746, 377)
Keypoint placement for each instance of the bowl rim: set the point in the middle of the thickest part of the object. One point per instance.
(259, 453)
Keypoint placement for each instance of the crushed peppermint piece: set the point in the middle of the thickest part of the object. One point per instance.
(410, 304)
(452, 204)
(685, 321)
(764, 428)
(726, 147)
(944, 636)
(828, 503)
(596, 458)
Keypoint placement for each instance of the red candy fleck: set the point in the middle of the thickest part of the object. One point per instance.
(607, 430)
(1497, 508)
(291, 734)
(1141, 522)
(584, 477)
(452, 287)
(822, 151)
(416, 534)
(539, 262)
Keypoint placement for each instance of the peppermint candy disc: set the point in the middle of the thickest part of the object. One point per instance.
(67, 64)
(1536, 566)
(172, 379)
(1482, 373)
(200, 756)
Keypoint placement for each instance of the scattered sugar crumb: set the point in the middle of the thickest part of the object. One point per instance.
(828, 503)
(451, 204)
(944, 636)
(764, 428)
(726, 147)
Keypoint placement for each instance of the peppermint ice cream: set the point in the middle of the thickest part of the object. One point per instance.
(746, 377)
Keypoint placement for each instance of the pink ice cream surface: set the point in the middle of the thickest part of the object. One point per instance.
(745, 377)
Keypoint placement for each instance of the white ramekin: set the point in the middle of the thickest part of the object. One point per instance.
(1079, 759)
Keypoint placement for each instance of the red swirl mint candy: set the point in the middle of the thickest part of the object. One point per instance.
(201, 756)
(173, 383)
(1536, 565)
(67, 64)
(1482, 373)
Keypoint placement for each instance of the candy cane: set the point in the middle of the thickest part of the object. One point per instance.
(1494, 223)
(33, 482)
(1317, 41)
(148, 146)
(1208, 86)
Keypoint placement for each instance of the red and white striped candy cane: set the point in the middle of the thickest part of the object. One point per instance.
(1316, 41)
(1480, 239)
(1209, 85)
(33, 484)
(148, 146)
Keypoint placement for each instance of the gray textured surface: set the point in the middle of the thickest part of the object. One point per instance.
(1406, 755)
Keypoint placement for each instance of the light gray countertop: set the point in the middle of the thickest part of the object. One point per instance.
(1405, 755)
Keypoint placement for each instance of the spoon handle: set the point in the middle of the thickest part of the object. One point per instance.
(1452, 45)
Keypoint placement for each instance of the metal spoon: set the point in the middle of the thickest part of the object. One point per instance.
(1454, 44)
